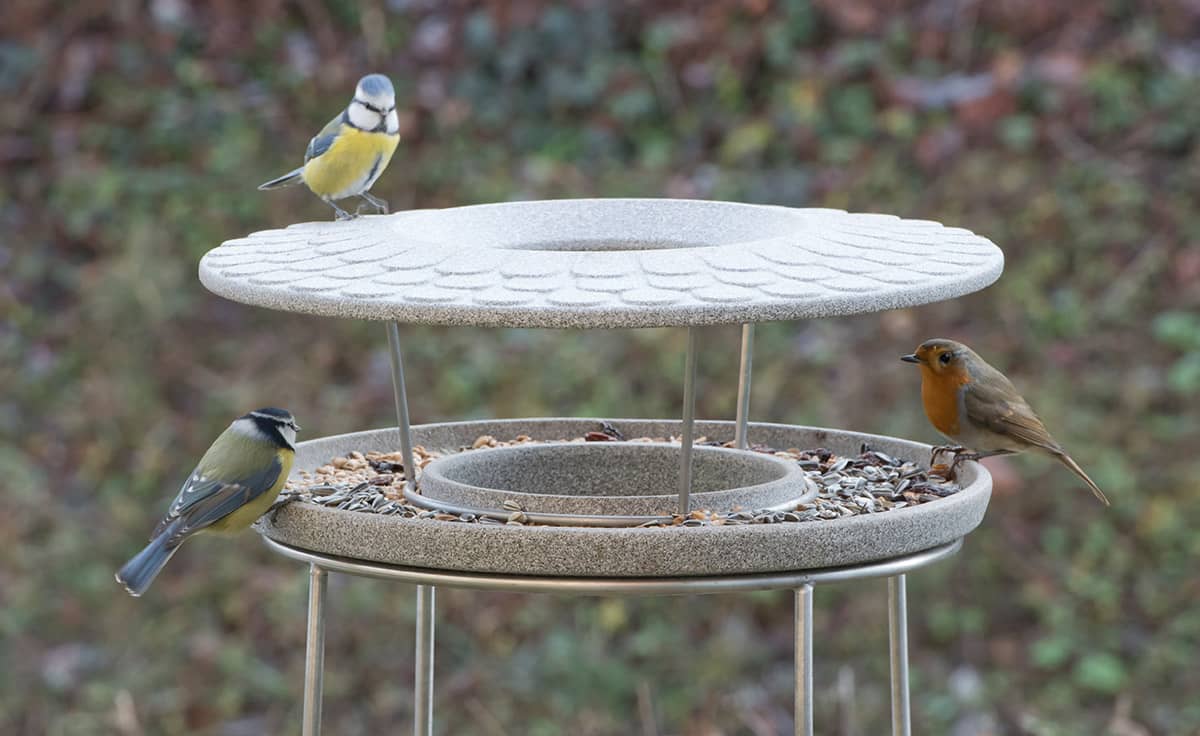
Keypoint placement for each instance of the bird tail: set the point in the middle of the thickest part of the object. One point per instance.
(139, 572)
(1065, 459)
(287, 180)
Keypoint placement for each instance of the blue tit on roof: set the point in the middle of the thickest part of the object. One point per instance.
(235, 482)
(346, 158)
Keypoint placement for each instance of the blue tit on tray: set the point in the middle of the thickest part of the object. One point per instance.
(236, 481)
(350, 153)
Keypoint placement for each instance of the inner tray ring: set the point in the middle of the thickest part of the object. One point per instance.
(606, 483)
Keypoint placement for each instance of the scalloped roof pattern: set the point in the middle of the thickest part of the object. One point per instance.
(602, 263)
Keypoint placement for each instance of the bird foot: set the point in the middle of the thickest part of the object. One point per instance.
(955, 450)
(961, 457)
(283, 500)
(380, 205)
(339, 214)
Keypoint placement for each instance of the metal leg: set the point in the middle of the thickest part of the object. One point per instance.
(740, 438)
(405, 424)
(423, 688)
(314, 652)
(804, 660)
(689, 423)
(898, 638)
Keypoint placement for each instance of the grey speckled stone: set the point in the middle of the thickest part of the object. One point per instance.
(597, 263)
(613, 478)
(651, 552)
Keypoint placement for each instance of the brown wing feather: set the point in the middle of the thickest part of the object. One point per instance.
(1065, 459)
(992, 402)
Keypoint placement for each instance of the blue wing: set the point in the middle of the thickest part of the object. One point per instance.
(323, 140)
(204, 501)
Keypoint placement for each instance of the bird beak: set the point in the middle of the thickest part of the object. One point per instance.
(910, 358)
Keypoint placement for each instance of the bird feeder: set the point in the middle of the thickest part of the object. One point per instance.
(659, 516)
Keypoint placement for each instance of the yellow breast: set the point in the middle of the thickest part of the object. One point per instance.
(248, 514)
(352, 163)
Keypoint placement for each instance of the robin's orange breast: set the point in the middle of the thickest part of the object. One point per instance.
(939, 395)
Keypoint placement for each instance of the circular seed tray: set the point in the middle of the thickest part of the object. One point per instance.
(625, 552)
(599, 263)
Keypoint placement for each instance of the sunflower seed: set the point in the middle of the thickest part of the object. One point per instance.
(871, 482)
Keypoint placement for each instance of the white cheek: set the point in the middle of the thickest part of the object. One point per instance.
(246, 428)
(393, 122)
(289, 434)
(361, 117)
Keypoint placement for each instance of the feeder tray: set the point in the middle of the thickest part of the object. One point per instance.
(619, 551)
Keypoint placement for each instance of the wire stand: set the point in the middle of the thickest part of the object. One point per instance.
(803, 582)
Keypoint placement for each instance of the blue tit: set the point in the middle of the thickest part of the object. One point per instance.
(236, 481)
(350, 153)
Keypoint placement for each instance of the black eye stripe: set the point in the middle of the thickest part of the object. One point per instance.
(372, 108)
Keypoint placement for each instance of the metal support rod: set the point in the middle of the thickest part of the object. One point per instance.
(804, 660)
(898, 639)
(314, 652)
(740, 438)
(423, 684)
(405, 424)
(689, 422)
(570, 585)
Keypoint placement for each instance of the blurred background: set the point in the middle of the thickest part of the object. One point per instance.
(132, 136)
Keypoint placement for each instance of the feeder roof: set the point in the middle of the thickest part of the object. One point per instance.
(602, 263)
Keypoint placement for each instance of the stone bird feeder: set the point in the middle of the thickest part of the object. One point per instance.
(614, 517)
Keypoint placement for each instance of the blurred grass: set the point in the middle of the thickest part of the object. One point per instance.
(132, 135)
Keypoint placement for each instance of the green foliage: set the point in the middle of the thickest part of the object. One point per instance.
(1181, 331)
(132, 144)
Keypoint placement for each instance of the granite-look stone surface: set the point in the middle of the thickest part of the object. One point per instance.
(600, 263)
(613, 478)
(626, 552)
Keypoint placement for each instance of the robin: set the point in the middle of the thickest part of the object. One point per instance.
(973, 405)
